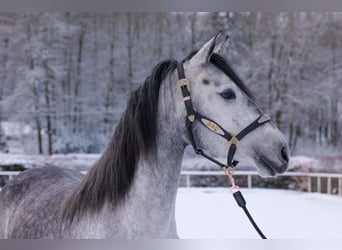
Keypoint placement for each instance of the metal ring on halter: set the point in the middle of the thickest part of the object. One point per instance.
(234, 189)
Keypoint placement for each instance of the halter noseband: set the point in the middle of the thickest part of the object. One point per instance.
(192, 115)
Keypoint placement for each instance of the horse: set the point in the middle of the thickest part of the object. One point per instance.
(130, 192)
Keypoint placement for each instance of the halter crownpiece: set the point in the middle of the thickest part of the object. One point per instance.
(192, 115)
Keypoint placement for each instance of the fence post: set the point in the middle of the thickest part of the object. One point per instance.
(329, 185)
(340, 186)
(249, 181)
(187, 180)
(318, 184)
(309, 184)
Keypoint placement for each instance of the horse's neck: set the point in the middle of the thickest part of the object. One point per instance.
(149, 209)
(153, 194)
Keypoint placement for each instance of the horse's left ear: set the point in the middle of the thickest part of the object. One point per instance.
(219, 47)
(214, 45)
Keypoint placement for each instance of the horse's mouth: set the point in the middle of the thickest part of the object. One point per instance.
(266, 167)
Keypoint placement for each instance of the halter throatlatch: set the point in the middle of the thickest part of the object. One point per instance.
(192, 115)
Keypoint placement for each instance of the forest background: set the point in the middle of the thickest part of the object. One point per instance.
(65, 77)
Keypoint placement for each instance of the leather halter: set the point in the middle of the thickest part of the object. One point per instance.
(192, 115)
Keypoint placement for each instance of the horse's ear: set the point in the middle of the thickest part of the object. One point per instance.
(220, 46)
(214, 45)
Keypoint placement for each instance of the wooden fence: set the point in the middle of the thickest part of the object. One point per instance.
(310, 176)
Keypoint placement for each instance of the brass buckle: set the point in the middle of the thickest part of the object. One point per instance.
(183, 82)
(191, 118)
(234, 141)
(264, 118)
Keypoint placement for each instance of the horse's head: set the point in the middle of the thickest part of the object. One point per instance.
(219, 94)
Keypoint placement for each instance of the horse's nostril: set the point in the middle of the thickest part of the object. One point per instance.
(284, 154)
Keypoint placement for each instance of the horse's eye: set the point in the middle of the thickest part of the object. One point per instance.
(228, 94)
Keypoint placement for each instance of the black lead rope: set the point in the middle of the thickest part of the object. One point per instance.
(234, 140)
(242, 203)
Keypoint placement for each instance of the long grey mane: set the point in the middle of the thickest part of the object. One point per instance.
(134, 137)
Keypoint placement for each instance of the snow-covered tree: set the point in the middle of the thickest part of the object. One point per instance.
(68, 75)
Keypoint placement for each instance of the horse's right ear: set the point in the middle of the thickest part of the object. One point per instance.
(203, 55)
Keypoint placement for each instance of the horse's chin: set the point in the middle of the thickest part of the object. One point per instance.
(265, 168)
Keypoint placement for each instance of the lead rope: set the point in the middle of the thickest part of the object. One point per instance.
(235, 190)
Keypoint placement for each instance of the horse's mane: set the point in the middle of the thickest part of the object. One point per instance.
(134, 137)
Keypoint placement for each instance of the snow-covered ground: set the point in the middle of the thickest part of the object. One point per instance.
(212, 213)
(207, 213)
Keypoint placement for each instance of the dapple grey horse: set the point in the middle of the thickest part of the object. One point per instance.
(131, 191)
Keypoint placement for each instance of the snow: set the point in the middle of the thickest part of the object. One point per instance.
(209, 213)
(212, 213)
(15, 129)
(81, 162)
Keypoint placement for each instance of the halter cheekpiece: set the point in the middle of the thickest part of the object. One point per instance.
(192, 115)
